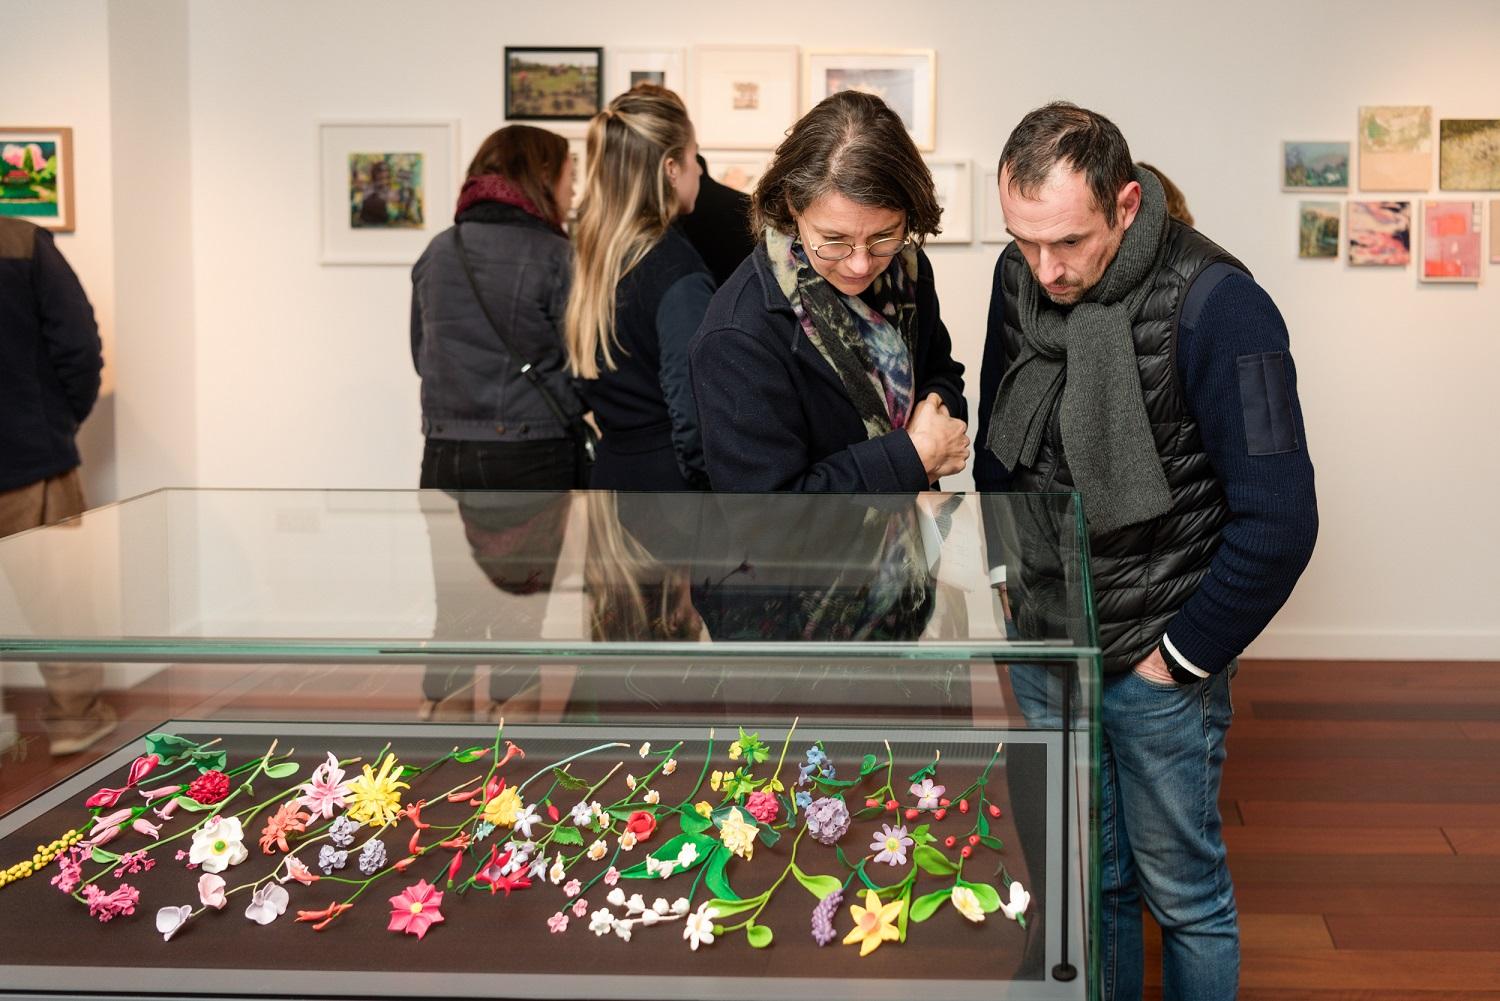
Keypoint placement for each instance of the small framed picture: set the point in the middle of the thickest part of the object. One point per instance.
(554, 84)
(387, 188)
(628, 67)
(737, 169)
(36, 175)
(906, 79)
(1315, 166)
(578, 149)
(1318, 229)
(1379, 234)
(954, 181)
(1451, 241)
(992, 228)
(743, 97)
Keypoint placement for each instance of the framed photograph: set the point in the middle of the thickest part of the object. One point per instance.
(628, 67)
(1379, 234)
(36, 175)
(954, 181)
(992, 229)
(1318, 230)
(553, 84)
(1315, 166)
(387, 188)
(1395, 148)
(1450, 241)
(1469, 154)
(743, 97)
(736, 169)
(906, 79)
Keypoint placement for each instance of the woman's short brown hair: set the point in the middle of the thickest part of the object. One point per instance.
(852, 143)
(528, 157)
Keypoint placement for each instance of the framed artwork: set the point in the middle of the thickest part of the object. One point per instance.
(1450, 241)
(1379, 234)
(628, 67)
(1395, 148)
(906, 79)
(36, 175)
(578, 149)
(954, 182)
(1469, 154)
(556, 84)
(1314, 166)
(737, 169)
(1318, 229)
(387, 188)
(1495, 231)
(992, 228)
(743, 97)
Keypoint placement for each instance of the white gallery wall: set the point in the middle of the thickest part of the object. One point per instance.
(255, 365)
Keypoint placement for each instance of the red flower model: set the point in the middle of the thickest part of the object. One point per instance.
(210, 787)
(641, 824)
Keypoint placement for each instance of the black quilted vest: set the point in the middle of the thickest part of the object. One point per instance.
(1143, 573)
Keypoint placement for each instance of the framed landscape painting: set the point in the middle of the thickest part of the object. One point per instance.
(1379, 234)
(557, 84)
(1318, 230)
(1395, 148)
(1315, 166)
(743, 97)
(1450, 241)
(906, 79)
(1469, 154)
(387, 188)
(36, 175)
(628, 67)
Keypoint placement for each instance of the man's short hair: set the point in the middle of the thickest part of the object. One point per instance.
(1062, 132)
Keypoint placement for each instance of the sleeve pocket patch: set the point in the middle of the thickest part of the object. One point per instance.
(1266, 401)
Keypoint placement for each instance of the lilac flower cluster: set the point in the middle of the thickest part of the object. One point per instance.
(822, 918)
(342, 832)
(827, 819)
(372, 857)
(331, 858)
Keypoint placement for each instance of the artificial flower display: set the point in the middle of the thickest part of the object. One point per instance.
(416, 909)
(874, 923)
(219, 844)
(375, 797)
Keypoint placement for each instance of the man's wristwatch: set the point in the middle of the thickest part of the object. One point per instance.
(1179, 674)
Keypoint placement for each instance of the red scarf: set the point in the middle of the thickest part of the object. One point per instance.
(494, 188)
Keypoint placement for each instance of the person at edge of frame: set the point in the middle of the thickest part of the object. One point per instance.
(1131, 359)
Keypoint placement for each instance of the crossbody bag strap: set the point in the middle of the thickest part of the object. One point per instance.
(527, 368)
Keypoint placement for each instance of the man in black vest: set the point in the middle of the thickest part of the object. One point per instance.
(1131, 359)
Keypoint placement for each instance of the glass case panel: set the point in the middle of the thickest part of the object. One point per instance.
(782, 704)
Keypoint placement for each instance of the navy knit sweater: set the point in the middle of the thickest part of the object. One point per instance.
(1236, 369)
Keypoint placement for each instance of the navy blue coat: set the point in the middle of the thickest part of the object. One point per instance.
(773, 413)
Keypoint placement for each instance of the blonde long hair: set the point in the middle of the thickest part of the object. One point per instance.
(628, 203)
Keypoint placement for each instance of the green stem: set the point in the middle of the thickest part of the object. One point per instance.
(771, 891)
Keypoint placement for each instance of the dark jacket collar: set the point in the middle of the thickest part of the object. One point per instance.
(505, 215)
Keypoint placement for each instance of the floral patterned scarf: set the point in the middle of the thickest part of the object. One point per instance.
(868, 343)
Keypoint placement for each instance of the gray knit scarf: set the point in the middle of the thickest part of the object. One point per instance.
(1087, 354)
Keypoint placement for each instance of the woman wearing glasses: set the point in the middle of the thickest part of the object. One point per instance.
(822, 364)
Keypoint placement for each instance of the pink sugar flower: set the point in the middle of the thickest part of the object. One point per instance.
(416, 909)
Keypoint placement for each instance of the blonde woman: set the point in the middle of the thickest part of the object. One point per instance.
(639, 293)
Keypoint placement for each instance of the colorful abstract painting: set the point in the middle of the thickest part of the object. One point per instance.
(1379, 234)
(1450, 241)
(1469, 154)
(36, 176)
(1315, 166)
(1318, 233)
(385, 190)
(1395, 148)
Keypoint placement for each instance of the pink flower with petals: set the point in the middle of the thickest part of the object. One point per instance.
(763, 806)
(104, 797)
(572, 888)
(152, 795)
(211, 890)
(580, 907)
(105, 906)
(416, 909)
(109, 820)
(144, 826)
(557, 923)
(325, 791)
(71, 875)
(301, 873)
(612, 876)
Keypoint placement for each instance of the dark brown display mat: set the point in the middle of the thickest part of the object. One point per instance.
(500, 946)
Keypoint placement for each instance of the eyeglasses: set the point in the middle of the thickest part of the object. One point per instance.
(889, 247)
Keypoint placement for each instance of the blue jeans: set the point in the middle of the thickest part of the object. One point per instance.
(1161, 837)
(1160, 834)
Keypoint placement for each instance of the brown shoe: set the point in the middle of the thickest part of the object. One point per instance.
(74, 735)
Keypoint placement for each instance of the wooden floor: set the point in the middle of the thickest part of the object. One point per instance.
(1362, 811)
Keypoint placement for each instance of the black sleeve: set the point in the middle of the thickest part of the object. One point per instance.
(990, 474)
(941, 372)
(755, 435)
(68, 327)
(677, 319)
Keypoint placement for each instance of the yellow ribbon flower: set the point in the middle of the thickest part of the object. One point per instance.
(874, 923)
(504, 808)
(375, 798)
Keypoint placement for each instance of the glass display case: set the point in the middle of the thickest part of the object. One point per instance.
(420, 744)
